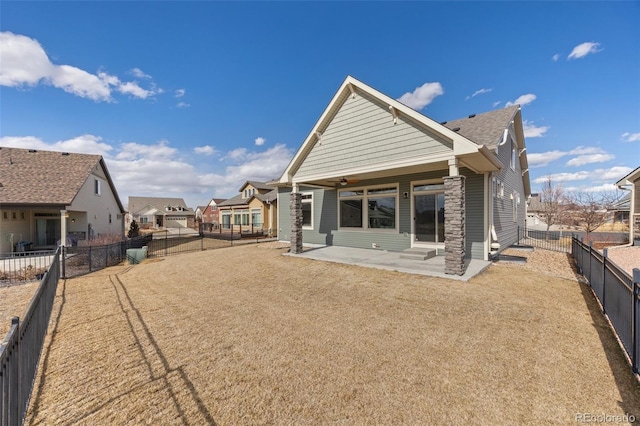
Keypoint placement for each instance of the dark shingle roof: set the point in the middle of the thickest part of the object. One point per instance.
(486, 128)
(43, 177)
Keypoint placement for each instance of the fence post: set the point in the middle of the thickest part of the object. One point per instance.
(106, 256)
(202, 243)
(590, 256)
(90, 262)
(635, 322)
(604, 287)
(14, 404)
(166, 236)
(64, 274)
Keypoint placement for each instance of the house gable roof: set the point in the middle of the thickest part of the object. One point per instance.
(463, 148)
(136, 204)
(34, 177)
(630, 178)
(257, 185)
(486, 128)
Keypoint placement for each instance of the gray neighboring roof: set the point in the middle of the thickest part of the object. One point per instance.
(34, 177)
(234, 201)
(486, 128)
(269, 197)
(238, 200)
(160, 203)
(534, 203)
(257, 185)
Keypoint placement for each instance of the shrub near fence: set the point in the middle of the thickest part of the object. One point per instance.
(20, 350)
(618, 294)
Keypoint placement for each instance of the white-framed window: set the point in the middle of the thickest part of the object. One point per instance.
(256, 217)
(226, 220)
(307, 210)
(97, 187)
(514, 155)
(5, 215)
(241, 217)
(372, 208)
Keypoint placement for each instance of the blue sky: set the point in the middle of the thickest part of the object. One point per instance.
(190, 99)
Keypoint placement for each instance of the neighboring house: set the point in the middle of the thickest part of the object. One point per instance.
(534, 213)
(619, 211)
(160, 213)
(254, 209)
(374, 173)
(208, 215)
(47, 194)
(631, 183)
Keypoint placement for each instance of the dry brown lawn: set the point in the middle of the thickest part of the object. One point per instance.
(244, 335)
(14, 301)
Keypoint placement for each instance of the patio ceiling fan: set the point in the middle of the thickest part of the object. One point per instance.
(344, 181)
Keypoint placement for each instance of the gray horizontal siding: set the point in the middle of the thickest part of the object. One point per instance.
(326, 216)
(362, 133)
(506, 228)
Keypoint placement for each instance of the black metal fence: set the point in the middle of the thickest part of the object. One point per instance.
(618, 294)
(548, 240)
(24, 266)
(20, 350)
(78, 261)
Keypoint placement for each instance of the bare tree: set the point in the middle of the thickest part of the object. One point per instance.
(590, 209)
(551, 202)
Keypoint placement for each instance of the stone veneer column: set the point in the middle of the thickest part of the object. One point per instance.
(295, 207)
(454, 219)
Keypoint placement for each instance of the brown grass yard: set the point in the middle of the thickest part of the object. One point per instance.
(244, 335)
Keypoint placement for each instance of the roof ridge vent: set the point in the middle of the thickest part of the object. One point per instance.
(443, 122)
(472, 115)
(65, 153)
(455, 129)
(32, 150)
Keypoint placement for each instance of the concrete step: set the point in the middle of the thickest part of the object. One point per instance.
(418, 254)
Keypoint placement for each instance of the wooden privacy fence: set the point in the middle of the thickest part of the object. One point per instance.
(618, 294)
(20, 350)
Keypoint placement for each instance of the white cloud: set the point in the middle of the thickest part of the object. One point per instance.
(523, 100)
(159, 170)
(137, 72)
(478, 92)
(582, 150)
(132, 88)
(581, 160)
(260, 141)
(496, 103)
(180, 93)
(422, 96)
(612, 174)
(23, 62)
(182, 105)
(584, 155)
(630, 137)
(83, 144)
(582, 50)
(563, 177)
(532, 131)
(205, 150)
(555, 57)
(544, 158)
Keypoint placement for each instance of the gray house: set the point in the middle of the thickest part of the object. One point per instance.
(374, 173)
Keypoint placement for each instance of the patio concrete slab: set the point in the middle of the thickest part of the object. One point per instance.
(389, 260)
